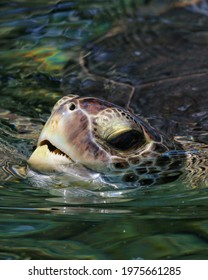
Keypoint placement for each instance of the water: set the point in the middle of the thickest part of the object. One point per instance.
(164, 222)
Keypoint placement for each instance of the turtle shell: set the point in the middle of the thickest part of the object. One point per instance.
(153, 66)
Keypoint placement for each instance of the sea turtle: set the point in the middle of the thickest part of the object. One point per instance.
(136, 110)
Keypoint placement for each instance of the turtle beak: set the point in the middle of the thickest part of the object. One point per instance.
(51, 154)
(46, 159)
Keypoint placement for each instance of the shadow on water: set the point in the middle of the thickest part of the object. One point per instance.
(37, 41)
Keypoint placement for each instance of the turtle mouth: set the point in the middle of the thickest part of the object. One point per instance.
(49, 158)
(53, 149)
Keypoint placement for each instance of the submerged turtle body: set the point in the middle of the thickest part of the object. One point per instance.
(153, 66)
(150, 67)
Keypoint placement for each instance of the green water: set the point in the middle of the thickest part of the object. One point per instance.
(168, 222)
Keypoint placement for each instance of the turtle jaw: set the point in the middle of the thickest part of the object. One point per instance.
(53, 152)
(48, 158)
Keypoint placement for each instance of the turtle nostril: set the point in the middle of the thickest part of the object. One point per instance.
(72, 106)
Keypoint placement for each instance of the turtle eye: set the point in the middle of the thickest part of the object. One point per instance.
(127, 140)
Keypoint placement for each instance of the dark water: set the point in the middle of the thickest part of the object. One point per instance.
(167, 222)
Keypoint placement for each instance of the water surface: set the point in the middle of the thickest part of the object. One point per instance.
(165, 222)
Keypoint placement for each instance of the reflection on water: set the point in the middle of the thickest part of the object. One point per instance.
(37, 41)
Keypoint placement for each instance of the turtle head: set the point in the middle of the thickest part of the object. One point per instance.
(95, 134)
